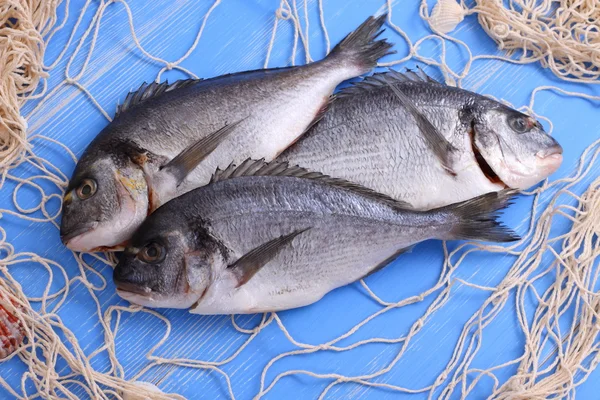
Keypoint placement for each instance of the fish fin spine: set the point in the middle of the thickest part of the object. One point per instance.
(149, 91)
(252, 167)
(382, 80)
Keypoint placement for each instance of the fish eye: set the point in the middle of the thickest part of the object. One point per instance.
(152, 253)
(520, 124)
(87, 189)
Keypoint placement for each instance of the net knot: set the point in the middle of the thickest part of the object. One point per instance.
(501, 30)
(283, 13)
(419, 324)
(169, 66)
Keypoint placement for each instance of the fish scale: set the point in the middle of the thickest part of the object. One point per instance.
(274, 237)
(371, 137)
(157, 139)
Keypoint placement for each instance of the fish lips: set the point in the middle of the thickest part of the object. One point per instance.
(550, 159)
(125, 285)
(135, 294)
(130, 288)
(68, 236)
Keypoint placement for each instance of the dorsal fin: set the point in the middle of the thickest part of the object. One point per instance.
(147, 91)
(383, 79)
(260, 167)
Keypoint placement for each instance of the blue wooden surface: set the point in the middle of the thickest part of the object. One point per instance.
(235, 39)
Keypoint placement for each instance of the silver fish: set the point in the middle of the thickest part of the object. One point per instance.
(426, 143)
(162, 141)
(267, 237)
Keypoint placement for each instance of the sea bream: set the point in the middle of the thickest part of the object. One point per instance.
(267, 237)
(424, 142)
(167, 139)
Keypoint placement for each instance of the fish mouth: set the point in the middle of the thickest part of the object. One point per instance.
(127, 288)
(110, 249)
(485, 168)
(68, 236)
(550, 159)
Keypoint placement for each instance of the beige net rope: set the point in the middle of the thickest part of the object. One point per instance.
(563, 35)
(23, 25)
(554, 359)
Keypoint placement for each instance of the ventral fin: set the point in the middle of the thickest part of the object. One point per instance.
(442, 148)
(180, 166)
(250, 263)
(389, 260)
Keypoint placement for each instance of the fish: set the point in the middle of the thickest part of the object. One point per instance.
(270, 236)
(167, 139)
(417, 140)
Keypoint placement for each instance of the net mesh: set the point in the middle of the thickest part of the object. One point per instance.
(560, 347)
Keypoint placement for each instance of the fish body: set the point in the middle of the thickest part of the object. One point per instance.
(370, 137)
(280, 240)
(121, 176)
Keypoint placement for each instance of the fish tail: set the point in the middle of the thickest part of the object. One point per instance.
(360, 48)
(477, 219)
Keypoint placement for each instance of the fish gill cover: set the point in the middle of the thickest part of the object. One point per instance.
(536, 315)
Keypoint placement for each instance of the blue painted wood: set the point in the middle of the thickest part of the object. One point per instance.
(235, 39)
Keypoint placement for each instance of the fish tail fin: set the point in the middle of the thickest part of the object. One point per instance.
(360, 48)
(477, 219)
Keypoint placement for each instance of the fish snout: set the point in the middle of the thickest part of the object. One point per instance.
(550, 158)
(124, 277)
(128, 287)
(75, 236)
(121, 273)
(68, 234)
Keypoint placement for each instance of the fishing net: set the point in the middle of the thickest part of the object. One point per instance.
(549, 289)
(23, 26)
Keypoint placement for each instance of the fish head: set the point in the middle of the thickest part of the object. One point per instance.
(105, 202)
(512, 148)
(167, 265)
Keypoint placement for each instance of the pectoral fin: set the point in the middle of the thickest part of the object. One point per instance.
(180, 166)
(442, 148)
(250, 263)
